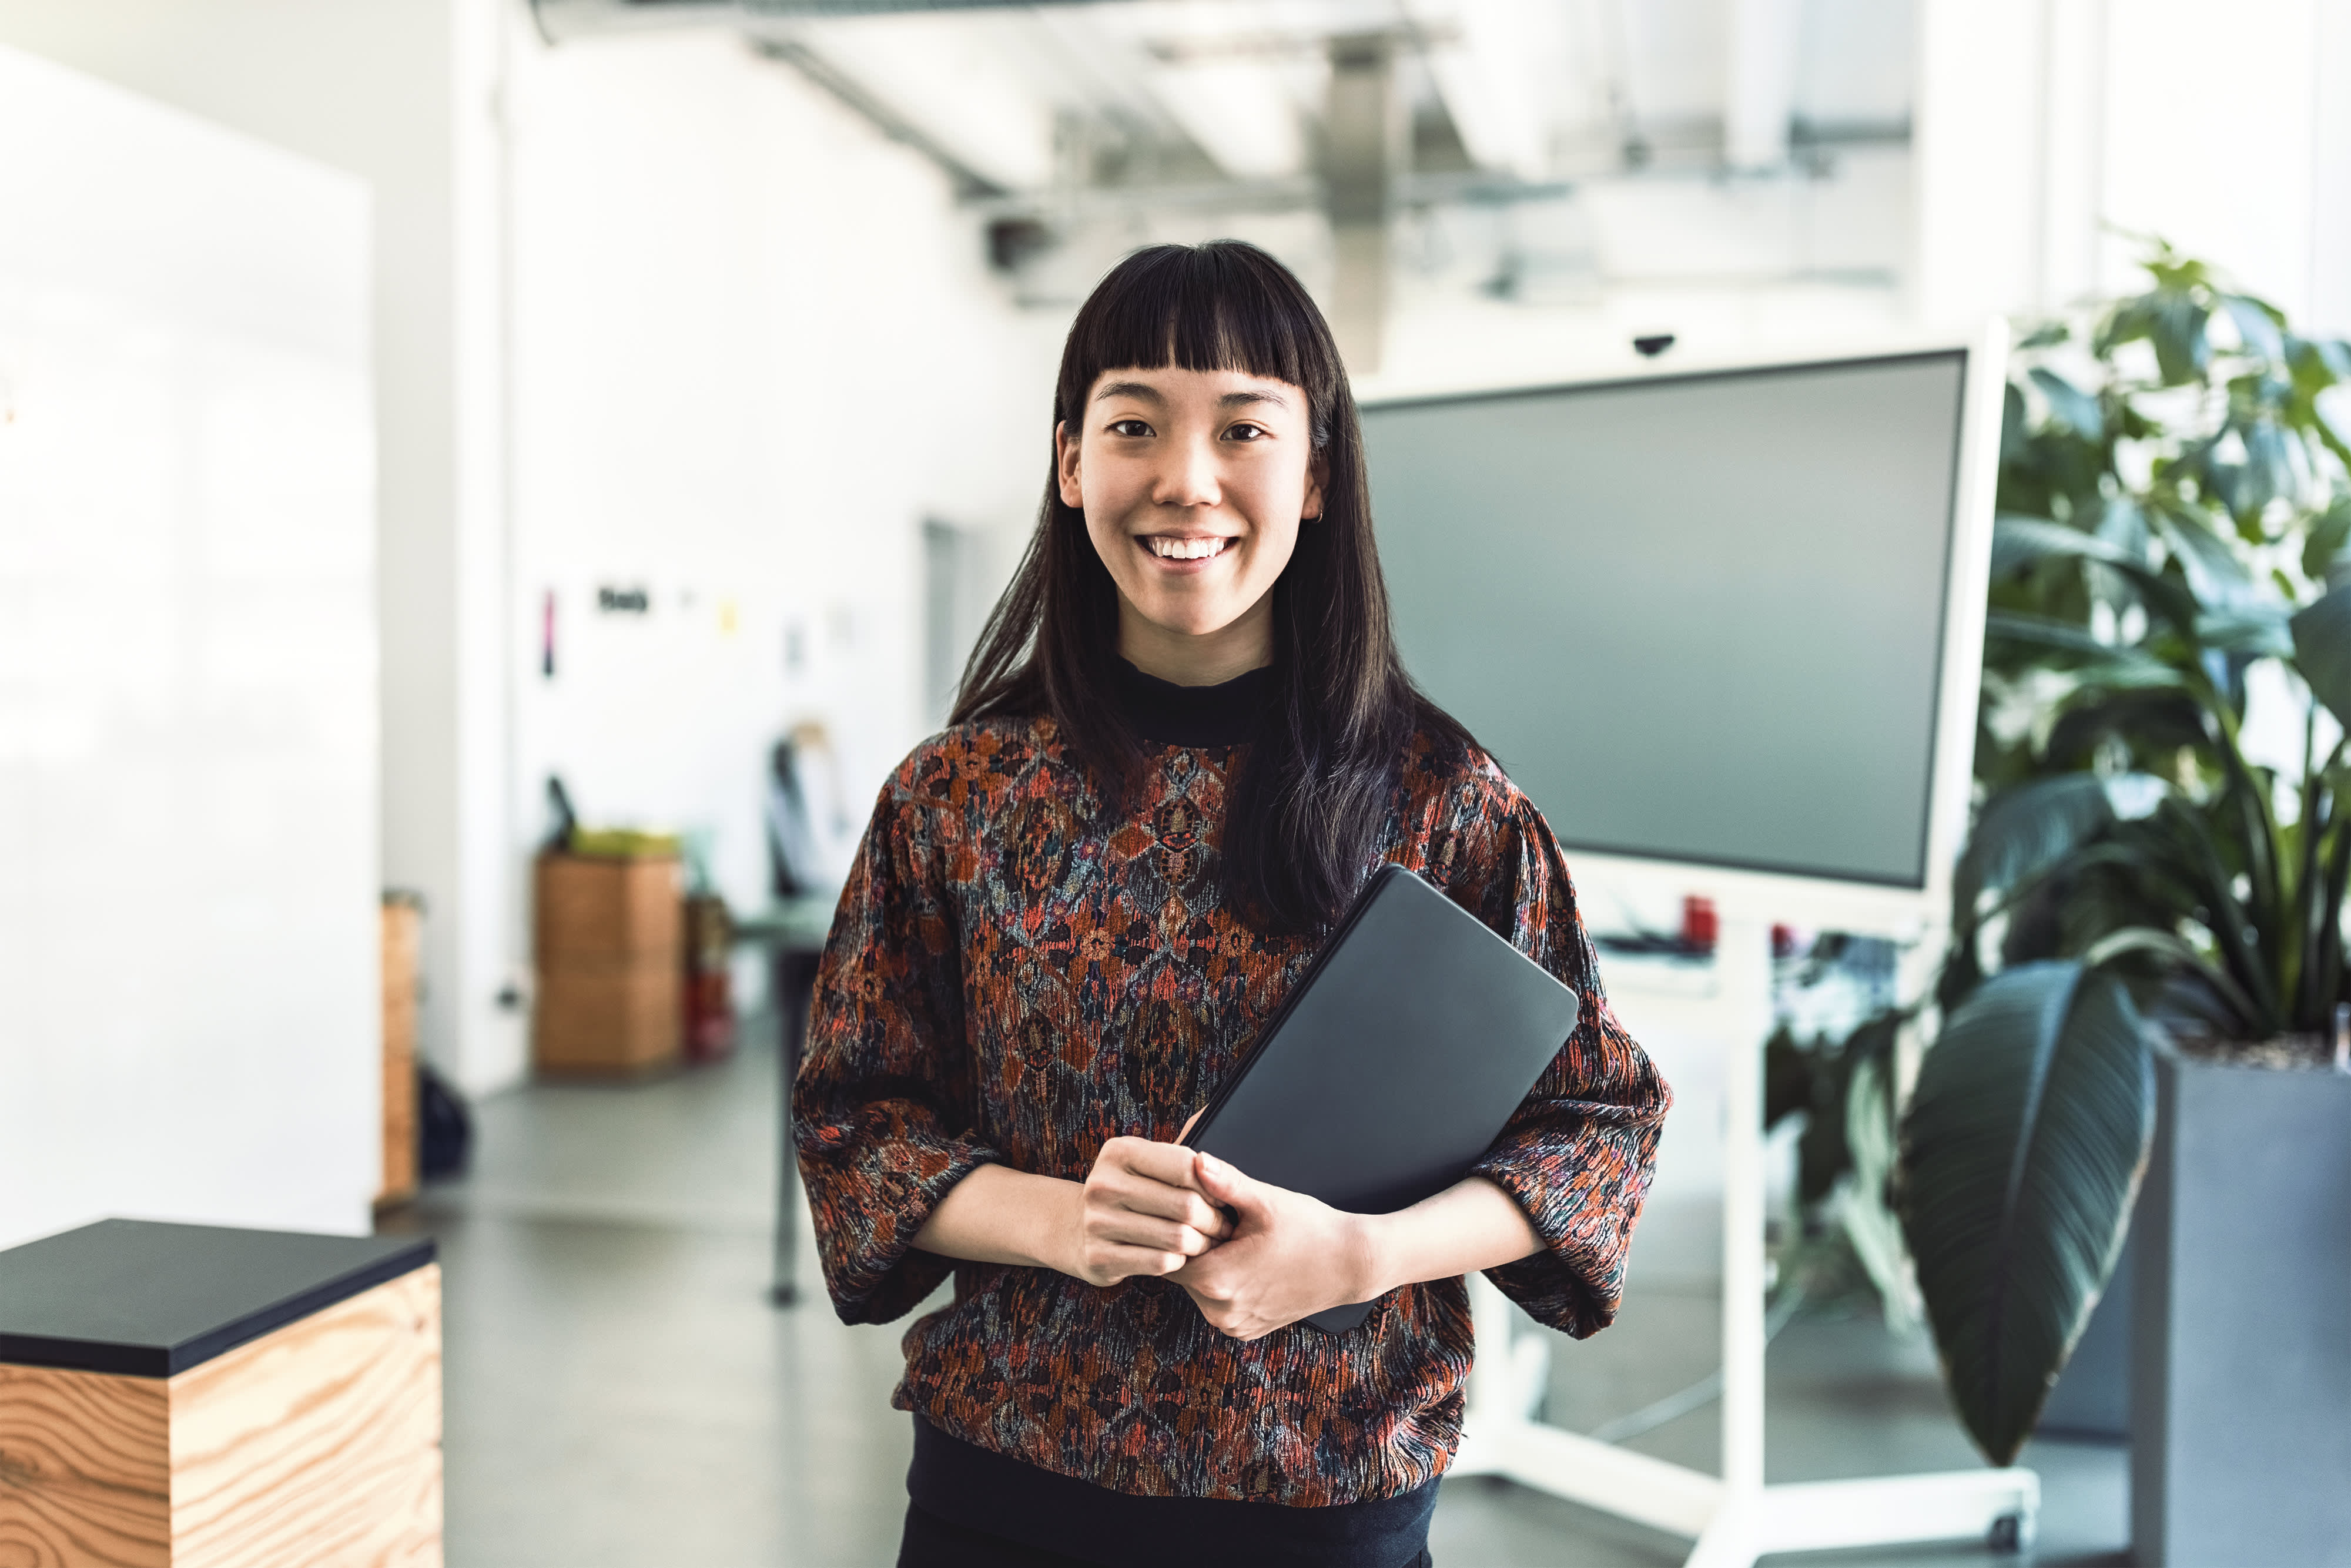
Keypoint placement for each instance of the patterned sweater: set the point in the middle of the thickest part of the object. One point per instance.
(1011, 978)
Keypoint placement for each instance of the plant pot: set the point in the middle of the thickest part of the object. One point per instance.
(2241, 1397)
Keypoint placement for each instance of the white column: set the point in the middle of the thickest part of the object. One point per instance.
(2330, 184)
(482, 1018)
(1976, 158)
(2072, 120)
(1760, 91)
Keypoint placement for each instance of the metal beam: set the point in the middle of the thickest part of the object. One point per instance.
(970, 184)
(559, 20)
(1362, 146)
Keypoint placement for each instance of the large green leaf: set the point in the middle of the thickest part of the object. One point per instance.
(2322, 546)
(2254, 630)
(2069, 404)
(2215, 574)
(2122, 524)
(2021, 1154)
(2077, 647)
(2258, 325)
(2025, 830)
(2321, 649)
(2172, 319)
(2018, 541)
(2157, 718)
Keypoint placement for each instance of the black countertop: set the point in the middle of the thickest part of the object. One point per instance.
(150, 1299)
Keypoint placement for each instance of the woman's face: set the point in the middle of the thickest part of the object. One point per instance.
(1193, 483)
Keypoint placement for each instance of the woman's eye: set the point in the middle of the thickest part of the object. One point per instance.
(1245, 432)
(1129, 427)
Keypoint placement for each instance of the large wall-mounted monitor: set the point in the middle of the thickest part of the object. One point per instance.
(1726, 619)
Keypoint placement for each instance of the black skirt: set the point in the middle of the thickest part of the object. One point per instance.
(974, 1509)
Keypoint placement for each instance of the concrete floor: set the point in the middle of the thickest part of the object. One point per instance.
(621, 1394)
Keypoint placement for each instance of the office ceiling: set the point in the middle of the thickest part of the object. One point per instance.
(1228, 99)
(1519, 150)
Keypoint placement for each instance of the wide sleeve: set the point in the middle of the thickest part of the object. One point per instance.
(1578, 1153)
(883, 1108)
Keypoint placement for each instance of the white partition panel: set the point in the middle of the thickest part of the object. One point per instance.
(188, 834)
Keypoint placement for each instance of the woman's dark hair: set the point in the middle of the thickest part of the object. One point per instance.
(1319, 774)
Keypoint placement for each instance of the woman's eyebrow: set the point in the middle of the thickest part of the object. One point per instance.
(1243, 399)
(1141, 390)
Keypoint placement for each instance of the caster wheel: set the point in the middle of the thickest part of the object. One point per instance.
(2009, 1534)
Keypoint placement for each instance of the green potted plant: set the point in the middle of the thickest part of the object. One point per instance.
(2148, 956)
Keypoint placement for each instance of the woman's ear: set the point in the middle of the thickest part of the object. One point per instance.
(1318, 477)
(1065, 464)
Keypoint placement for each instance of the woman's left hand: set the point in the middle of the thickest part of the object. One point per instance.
(1289, 1257)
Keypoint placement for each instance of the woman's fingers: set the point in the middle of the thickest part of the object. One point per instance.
(1125, 1227)
(1161, 1201)
(1156, 1180)
(1157, 1162)
(1113, 1261)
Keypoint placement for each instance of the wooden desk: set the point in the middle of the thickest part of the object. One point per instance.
(793, 931)
(191, 1397)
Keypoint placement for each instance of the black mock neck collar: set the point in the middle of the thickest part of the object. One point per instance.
(1224, 714)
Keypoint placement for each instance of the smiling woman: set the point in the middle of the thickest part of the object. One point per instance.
(1194, 484)
(1184, 742)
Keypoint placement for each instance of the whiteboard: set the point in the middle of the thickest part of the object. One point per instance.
(189, 993)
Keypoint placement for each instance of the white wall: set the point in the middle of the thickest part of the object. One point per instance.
(2046, 126)
(402, 94)
(755, 347)
(188, 784)
(721, 286)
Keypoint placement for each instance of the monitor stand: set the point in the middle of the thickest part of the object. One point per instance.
(1735, 1517)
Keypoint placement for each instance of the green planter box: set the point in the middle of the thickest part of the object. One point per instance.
(2240, 1397)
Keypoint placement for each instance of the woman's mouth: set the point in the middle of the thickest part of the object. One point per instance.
(1168, 547)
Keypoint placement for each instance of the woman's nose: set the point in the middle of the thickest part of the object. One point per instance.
(1188, 477)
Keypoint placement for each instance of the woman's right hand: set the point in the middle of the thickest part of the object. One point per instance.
(1141, 1212)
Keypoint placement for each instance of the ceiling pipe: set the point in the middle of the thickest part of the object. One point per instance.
(1362, 148)
(1363, 145)
(970, 184)
(560, 21)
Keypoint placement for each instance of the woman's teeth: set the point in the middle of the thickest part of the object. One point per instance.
(1185, 549)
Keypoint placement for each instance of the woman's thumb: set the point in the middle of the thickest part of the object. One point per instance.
(1222, 1182)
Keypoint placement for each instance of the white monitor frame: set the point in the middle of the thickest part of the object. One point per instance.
(1905, 913)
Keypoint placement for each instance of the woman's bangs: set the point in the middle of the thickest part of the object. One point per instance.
(1204, 308)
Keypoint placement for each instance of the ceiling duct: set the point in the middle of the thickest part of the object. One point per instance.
(1356, 164)
(1363, 147)
(561, 20)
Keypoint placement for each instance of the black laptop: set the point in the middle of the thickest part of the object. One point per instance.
(1394, 1064)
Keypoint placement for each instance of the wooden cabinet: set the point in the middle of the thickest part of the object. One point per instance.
(610, 944)
(191, 1397)
(403, 938)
